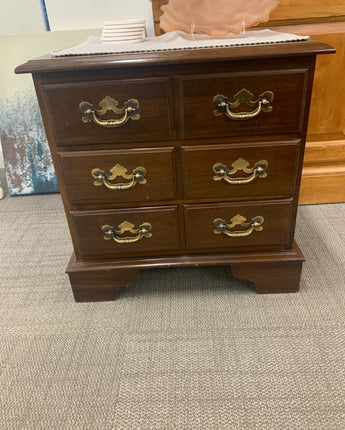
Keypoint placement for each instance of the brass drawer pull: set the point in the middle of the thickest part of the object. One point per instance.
(130, 110)
(222, 172)
(222, 227)
(243, 96)
(137, 176)
(144, 230)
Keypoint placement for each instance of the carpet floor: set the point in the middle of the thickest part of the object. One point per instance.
(190, 348)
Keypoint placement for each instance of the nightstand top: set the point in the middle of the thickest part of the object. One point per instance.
(49, 63)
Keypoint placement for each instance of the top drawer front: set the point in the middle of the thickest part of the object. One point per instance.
(67, 118)
(288, 87)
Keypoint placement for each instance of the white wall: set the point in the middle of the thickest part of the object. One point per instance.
(25, 16)
(76, 14)
(20, 16)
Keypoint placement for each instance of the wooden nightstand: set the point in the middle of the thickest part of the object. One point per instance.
(179, 159)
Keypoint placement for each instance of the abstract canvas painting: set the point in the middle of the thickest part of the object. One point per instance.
(27, 160)
(28, 164)
(29, 168)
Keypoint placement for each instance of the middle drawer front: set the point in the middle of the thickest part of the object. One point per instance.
(127, 232)
(120, 176)
(232, 171)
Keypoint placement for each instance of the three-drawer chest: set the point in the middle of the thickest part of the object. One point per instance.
(179, 158)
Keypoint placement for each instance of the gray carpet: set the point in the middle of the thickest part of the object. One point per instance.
(185, 348)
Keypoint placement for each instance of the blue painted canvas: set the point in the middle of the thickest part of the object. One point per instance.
(28, 164)
(29, 168)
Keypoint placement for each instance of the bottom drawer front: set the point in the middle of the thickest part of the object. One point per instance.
(236, 226)
(126, 232)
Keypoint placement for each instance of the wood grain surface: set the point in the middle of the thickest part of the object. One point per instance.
(177, 134)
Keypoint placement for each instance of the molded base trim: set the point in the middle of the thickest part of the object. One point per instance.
(271, 272)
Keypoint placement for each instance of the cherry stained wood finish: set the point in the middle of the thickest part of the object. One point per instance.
(276, 226)
(271, 277)
(152, 94)
(98, 285)
(288, 86)
(99, 267)
(281, 171)
(138, 61)
(91, 243)
(158, 163)
(323, 20)
(271, 272)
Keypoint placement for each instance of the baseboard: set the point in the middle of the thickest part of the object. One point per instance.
(323, 175)
(322, 186)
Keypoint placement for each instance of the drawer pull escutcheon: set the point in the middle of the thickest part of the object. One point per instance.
(110, 232)
(243, 96)
(222, 172)
(137, 176)
(222, 227)
(130, 110)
